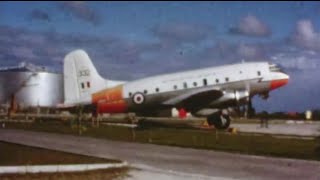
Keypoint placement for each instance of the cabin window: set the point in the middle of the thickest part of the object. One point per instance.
(217, 81)
(259, 73)
(240, 72)
(145, 91)
(82, 85)
(157, 89)
(130, 94)
(205, 82)
(175, 87)
(227, 79)
(195, 84)
(185, 85)
(88, 84)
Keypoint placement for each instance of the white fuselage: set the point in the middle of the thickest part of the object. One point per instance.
(228, 78)
(214, 76)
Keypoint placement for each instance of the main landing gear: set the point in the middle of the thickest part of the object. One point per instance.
(220, 120)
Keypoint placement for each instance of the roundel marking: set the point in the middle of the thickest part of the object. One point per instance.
(138, 98)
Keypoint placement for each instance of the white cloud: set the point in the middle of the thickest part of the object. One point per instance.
(297, 61)
(23, 53)
(181, 32)
(247, 51)
(305, 35)
(81, 10)
(251, 26)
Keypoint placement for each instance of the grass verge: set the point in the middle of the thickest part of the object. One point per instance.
(109, 174)
(246, 143)
(14, 154)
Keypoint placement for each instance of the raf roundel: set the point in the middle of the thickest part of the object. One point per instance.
(138, 98)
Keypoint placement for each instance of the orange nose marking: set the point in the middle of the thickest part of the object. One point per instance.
(278, 83)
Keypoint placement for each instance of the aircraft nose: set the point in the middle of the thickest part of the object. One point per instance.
(285, 76)
(282, 80)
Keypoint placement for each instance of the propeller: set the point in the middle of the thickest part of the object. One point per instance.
(248, 107)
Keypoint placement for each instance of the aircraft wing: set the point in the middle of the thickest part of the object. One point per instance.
(198, 98)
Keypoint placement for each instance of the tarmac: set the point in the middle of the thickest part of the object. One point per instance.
(294, 128)
(149, 161)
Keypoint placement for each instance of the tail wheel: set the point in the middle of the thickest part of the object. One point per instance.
(219, 120)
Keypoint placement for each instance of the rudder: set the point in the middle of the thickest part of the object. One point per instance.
(81, 78)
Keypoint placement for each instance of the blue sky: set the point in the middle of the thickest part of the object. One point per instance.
(131, 40)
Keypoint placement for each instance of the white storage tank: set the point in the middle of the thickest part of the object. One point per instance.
(31, 86)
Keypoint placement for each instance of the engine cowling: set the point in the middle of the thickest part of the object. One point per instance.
(231, 98)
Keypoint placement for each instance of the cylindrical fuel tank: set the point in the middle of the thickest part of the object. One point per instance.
(31, 88)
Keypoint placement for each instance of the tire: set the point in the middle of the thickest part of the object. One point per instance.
(219, 120)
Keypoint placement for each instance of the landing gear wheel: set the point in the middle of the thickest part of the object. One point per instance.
(219, 120)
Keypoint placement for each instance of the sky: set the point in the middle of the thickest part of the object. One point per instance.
(132, 40)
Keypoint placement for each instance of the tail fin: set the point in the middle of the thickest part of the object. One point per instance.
(81, 78)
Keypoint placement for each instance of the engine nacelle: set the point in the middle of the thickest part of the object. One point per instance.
(205, 112)
(231, 98)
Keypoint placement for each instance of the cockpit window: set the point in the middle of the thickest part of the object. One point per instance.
(275, 68)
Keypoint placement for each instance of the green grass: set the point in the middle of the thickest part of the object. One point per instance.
(109, 174)
(14, 154)
(246, 143)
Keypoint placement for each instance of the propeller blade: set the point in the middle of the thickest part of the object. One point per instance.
(248, 105)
